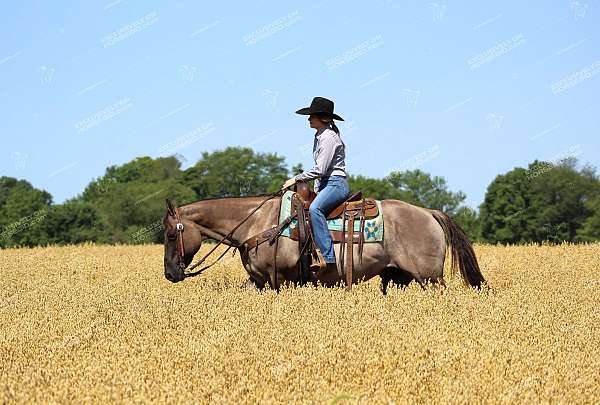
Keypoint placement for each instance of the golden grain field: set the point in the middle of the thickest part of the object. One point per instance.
(100, 323)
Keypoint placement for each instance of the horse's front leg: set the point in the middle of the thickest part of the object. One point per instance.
(257, 279)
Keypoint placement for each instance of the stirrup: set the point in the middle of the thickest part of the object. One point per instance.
(319, 263)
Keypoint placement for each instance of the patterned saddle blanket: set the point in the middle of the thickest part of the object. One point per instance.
(373, 227)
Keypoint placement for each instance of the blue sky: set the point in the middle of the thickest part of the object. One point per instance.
(462, 90)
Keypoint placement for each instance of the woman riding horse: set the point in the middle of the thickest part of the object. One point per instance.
(329, 173)
(414, 247)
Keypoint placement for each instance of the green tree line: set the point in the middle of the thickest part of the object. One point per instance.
(545, 202)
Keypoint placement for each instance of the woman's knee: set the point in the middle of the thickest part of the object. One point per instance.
(315, 209)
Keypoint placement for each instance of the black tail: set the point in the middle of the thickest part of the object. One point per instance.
(463, 256)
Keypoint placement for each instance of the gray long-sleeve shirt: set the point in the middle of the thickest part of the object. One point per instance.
(329, 153)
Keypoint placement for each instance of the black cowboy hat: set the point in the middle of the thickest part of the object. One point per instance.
(320, 105)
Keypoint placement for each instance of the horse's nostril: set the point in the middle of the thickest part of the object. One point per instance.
(174, 278)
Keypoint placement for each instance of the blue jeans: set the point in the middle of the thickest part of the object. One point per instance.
(333, 190)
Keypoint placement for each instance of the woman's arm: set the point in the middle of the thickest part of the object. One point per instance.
(327, 147)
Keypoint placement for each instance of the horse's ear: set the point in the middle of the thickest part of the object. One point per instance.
(170, 207)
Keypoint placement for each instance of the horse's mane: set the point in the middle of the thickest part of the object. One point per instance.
(233, 196)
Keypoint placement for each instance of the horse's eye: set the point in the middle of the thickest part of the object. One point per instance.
(171, 235)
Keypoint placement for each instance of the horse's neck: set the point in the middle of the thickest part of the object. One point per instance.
(216, 218)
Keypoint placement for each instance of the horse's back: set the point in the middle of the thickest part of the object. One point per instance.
(415, 229)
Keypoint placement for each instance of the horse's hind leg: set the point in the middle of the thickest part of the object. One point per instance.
(435, 282)
(396, 275)
(439, 281)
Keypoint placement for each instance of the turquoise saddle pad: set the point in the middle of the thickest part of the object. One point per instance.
(373, 227)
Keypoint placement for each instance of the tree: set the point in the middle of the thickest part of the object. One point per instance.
(297, 169)
(29, 219)
(235, 171)
(142, 170)
(590, 229)
(22, 209)
(505, 214)
(561, 196)
(375, 188)
(74, 222)
(130, 198)
(545, 202)
(419, 188)
(468, 219)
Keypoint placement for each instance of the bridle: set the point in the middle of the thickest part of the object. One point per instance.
(181, 249)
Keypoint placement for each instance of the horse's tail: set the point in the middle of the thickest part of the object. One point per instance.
(463, 255)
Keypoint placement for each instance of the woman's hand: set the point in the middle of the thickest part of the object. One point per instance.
(289, 182)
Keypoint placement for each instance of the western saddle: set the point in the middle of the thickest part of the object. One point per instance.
(356, 207)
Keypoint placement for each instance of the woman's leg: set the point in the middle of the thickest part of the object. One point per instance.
(334, 192)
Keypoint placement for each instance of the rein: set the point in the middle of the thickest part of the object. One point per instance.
(181, 249)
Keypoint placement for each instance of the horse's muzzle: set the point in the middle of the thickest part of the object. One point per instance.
(174, 278)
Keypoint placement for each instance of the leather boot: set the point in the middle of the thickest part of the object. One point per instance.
(332, 267)
(327, 268)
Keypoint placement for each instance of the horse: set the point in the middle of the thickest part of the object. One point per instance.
(413, 248)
